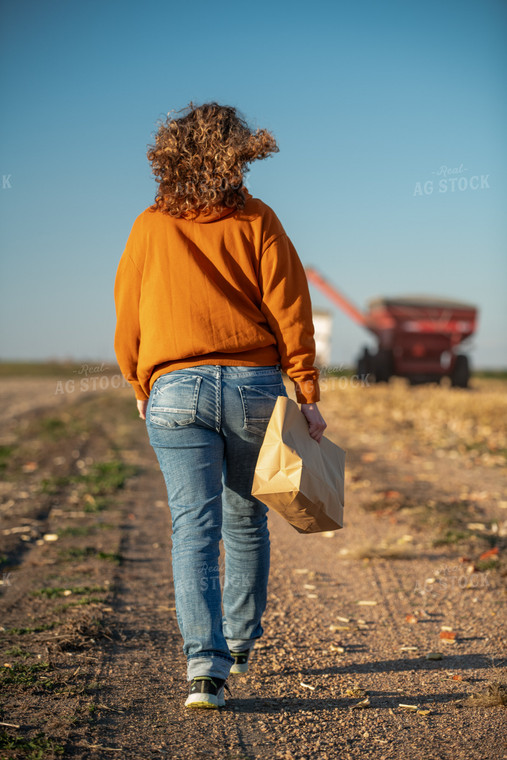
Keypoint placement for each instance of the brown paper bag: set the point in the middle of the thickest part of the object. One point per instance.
(299, 478)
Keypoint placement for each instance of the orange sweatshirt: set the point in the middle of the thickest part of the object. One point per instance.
(221, 288)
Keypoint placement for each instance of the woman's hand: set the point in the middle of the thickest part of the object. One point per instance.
(141, 407)
(316, 422)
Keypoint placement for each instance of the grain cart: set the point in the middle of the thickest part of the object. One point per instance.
(417, 336)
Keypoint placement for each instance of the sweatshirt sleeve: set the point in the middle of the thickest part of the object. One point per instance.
(287, 307)
(127, 291)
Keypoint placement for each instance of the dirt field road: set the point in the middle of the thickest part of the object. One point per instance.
(383, 640)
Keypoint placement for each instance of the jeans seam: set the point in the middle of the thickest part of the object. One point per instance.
(208, 655)
(218, 399)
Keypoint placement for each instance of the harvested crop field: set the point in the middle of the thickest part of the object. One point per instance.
(384, 640)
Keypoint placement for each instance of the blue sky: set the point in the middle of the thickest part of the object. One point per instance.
(372, 104)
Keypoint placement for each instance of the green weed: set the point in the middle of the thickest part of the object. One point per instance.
(17, 652)
(90, 551)
(32, 629)
(51, 592)
(84, 530)
(55, 483)
(36, 748)
(22, 673)
(97, 504)
(5, 453)
(53, 428)
(103, 478)
(452, 537)
(79, 603)
(107, 477)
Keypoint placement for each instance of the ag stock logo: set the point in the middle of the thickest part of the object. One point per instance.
(451, 179)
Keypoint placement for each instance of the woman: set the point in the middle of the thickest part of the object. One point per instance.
(212, 302)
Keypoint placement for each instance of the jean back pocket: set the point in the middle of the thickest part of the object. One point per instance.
(258, 404)
(174, 401)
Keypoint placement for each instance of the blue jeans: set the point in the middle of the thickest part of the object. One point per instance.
(206, 424)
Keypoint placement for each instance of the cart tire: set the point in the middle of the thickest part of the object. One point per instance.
(383, 365)
(461, 372)
(364, 365)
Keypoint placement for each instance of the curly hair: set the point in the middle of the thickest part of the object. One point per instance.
(200, 159)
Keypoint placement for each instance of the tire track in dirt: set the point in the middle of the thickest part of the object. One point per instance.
(142, 673)
(40, 521)
(388, 674)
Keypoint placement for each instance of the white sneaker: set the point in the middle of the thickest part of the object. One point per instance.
(206, 692)
(240, 661)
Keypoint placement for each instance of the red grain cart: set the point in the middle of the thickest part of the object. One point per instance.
(417, 336)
